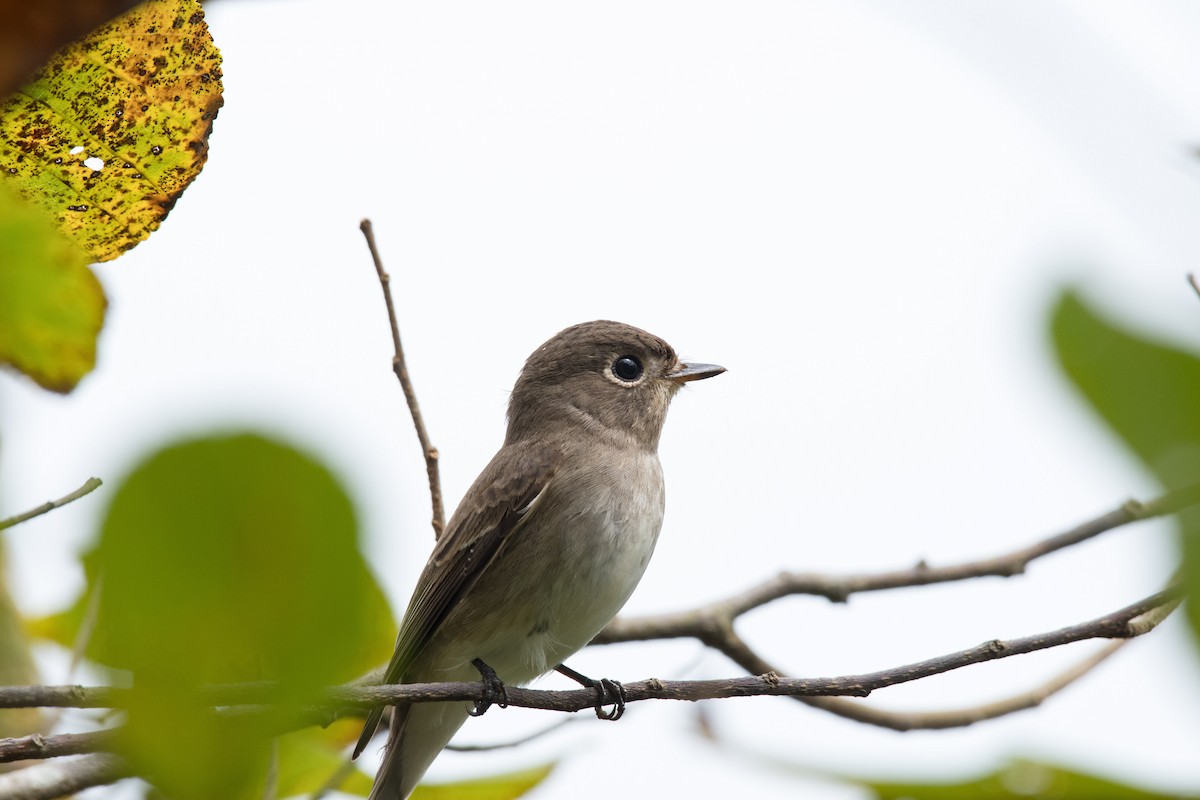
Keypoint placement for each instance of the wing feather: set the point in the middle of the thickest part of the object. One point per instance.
(490, 514)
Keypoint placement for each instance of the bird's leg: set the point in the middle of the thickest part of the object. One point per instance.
(607, 691)
(493, 689)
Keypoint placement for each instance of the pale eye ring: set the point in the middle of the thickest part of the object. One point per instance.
(627, 369)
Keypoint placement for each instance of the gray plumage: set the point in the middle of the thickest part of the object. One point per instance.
(550, 540)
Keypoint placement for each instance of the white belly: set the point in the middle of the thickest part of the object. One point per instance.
(558, 583)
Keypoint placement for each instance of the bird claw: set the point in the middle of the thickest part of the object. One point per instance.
(608, 692)
(494, 690)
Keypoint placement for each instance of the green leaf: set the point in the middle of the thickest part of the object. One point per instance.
(309, 758)
(16, 662)
(1020, 779)
(226, 559)
(371, 652)
(496, 787)
(1148, 393)
(51, 305)
(138, 94)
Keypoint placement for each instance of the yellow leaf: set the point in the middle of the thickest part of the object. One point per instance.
(496, 787)
(110, 132)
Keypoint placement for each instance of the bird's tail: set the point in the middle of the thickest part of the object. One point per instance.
(419, 732)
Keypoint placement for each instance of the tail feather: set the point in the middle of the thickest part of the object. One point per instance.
(418, 733)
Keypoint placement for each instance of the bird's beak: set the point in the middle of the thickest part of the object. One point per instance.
(693, 372)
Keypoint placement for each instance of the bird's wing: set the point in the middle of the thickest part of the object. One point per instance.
(491, 512)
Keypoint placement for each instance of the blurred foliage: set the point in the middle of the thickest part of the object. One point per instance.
(1149, 395)
(497, 787)
(51, 305)
(228, 559)
(1020, 779)
(16, 664)
(309, 758)
(234, 558)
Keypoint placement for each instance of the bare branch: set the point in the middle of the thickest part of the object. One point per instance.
(1147, 622)
(63, 744)
(729, 643)
(480, 748)
(89, 486)
(356, 698)
(401, 369)
(60, 778)
(710, 621)
(962, 717)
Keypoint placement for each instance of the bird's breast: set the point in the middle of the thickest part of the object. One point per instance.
(574, 562)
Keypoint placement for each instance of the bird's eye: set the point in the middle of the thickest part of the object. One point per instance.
(627, 368)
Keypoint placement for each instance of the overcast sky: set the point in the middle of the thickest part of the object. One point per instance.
(862, 209)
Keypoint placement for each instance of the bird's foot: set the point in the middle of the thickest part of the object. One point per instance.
(608, 692)
(494, 691)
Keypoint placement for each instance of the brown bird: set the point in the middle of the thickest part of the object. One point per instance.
(550, 540)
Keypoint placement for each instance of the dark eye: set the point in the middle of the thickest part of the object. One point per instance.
(627, 368)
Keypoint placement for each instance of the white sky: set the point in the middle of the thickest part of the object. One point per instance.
(862, 209)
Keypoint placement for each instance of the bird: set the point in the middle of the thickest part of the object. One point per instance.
(548, 542)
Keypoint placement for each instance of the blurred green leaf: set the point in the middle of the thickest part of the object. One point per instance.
(1149, 395)
(497, 787)
(370, 652)
(226, 559)
(1147, 392)
(51, 305)
(1020, 779)
(310, 757)
(16, 664)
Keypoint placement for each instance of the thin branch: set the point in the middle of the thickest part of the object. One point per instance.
(53, 779)
(741, 654)
(482, 748)
(63, 744)
(1147, 622)
(401, 369)
(962, 717)
(89, 486)
(356, 698)
(1192, 280)
(712, 619)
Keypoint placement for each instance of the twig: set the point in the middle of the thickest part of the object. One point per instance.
(401, 369)
(89, 486)
(714, 618)
(1116, 625)
(741, 654)
(482, 748)
(63, 744)
(962, 717)
(1192, 280)
(53, 779)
